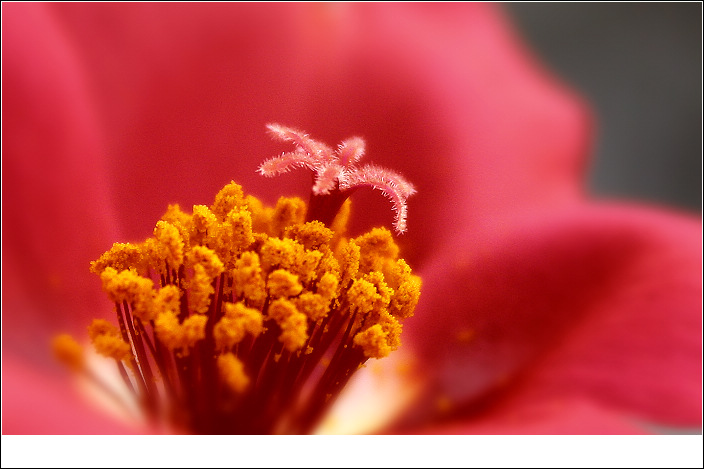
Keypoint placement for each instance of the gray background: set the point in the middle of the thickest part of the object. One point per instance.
(640, 65)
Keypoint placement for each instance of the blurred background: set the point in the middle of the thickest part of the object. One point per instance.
(640, 65)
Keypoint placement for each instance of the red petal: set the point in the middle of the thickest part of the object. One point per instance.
(558, 417)
(598, 303)
(444, 94)
(44, 403)
(56, 212)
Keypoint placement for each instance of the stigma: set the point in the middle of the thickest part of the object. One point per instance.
(236, 317)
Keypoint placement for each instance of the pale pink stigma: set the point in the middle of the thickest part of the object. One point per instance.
(337, 170)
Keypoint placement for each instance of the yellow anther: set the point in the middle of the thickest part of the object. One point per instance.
(108, 341)
(328, 264)
(232, 372)
(232, 271)
(168, 330)
(280, 253)
(293, 324)
(363, 297)
(248, 282)
(68, 351)
(203, 226)
(312, 235)
(235, 324)
(230, 197)
(193, 330)
(392, 327)
(130, 287)
(376, 247)
(306, 266)
(234, 235)
(373, 342)
(176, 216)
(201, 289)
(349, 262)
(206, 267)
(282, 283)
(313, 305)
(102, 327)
(171, 243)
(180, 336)
(167, 300)
(181, 220)
(384, 291)
(121, 256)
(407, 290)
(261, 216)
(288, 211)
(201, 255)
(327, 285)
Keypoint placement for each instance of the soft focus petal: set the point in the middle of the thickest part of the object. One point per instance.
(56, 211)
(557, 417)
(596, 302)
(443, 94)
(39, 401)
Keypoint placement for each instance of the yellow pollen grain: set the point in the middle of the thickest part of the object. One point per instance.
(167, 300)
(327, 285)
(293, 324)
(248, 282)
(376, 247)
(288, 211)
(182, 221)
(206, 257)
(363, 297)
(312, 235)
(168, 330)
(282, 283)
(349, 263)
(237, 321)
(234, 235)
(313, 305)
(306, 266)
(373, 342)
(193, 330)
(232, 372)
(230, 197)
(280, 253)
(248, 269)
(171, 243)
(203, 225)
(206, 266)
(407, 290)
(261, 216)
(122, 256)
(108, 341)
(68, 351)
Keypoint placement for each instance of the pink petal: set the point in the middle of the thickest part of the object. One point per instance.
(45, 403)
(557, 417)
(593, 302)
(57, 216)
(444, 94)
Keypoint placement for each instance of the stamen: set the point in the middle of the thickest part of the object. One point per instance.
(241, 318)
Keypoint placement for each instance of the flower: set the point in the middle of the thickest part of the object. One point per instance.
(543, 310)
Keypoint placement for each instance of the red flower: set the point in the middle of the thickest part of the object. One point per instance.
(543, 311)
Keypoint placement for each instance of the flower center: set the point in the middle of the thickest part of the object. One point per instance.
(241, 318)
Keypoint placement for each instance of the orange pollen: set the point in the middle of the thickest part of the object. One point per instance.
(238, 318)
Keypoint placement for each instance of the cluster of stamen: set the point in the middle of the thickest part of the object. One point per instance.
(241, 318)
